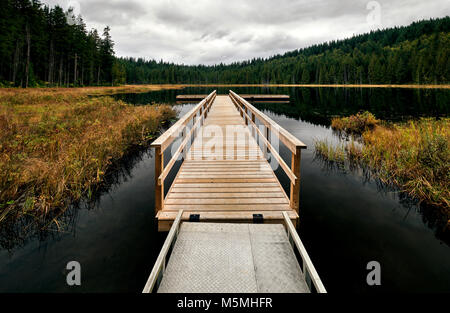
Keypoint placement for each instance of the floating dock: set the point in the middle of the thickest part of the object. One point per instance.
(253, 98)
(225, 174)
(226, 209)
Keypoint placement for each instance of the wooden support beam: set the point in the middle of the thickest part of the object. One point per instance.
(159, 188)
(295, 188)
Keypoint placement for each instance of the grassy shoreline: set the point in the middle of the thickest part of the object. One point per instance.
(56, 145)
(153, 87)
(415, 155)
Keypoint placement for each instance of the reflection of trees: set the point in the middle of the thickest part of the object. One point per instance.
(17, 232)
(158, 97)
(434, 217)
(318, 105)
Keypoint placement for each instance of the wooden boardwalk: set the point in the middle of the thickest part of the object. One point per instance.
(223, 202)
(225, 174)
(255, 98)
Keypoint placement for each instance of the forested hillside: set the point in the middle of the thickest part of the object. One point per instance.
(418, 53)
(40, 46)
(43, 46)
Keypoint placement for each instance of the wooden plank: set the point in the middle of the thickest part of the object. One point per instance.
(177, 184)
(170, 215)
(229, 201)
(227, 207)
(251, 190)
(231, 171)
(225, 180)
(225, 195)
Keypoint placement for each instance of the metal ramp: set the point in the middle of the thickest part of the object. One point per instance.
(233, 258)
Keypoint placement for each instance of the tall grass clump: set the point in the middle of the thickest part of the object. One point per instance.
(55, 147)
(414, 156)
(356, 124)
(329, 152)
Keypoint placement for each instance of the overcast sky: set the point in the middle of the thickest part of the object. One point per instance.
(214, 31)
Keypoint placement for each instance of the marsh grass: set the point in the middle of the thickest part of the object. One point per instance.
(355, 124)
(329, 152)
(414, 156)
(56, 146)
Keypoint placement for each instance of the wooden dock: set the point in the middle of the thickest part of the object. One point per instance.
(225, 175)
(231, 224)
(253, 98)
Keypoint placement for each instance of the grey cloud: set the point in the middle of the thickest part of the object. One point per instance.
(112, 12)
(205, 31)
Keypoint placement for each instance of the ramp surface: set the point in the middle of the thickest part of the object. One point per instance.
(232, 258)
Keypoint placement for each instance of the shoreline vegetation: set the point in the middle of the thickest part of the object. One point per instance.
(413, 155)
(142, 88)
(56, 144)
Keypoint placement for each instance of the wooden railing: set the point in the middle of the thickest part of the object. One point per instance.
(164, 141)
(250, 114)
(309, 271)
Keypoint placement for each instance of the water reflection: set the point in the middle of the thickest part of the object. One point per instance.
(15, 233)
(347, 217)
(432, 216)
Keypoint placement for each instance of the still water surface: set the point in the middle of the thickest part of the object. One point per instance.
(346, 218)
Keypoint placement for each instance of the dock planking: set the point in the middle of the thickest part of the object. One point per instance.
(226, 183)
(254, 98)
(225, 174)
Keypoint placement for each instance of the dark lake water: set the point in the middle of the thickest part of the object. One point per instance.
(346, 218)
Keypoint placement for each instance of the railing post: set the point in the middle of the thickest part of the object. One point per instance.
(159, 189)
(266, 147)
(183, 135)
(253, 130)
(295, 188)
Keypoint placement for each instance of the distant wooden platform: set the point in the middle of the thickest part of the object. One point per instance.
(253, 98)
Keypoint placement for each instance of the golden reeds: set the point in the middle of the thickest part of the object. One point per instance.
(54, 146)
(414, 156)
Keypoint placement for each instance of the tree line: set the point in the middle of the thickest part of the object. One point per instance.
(418, 53)
(43, 46)
(40, 46)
